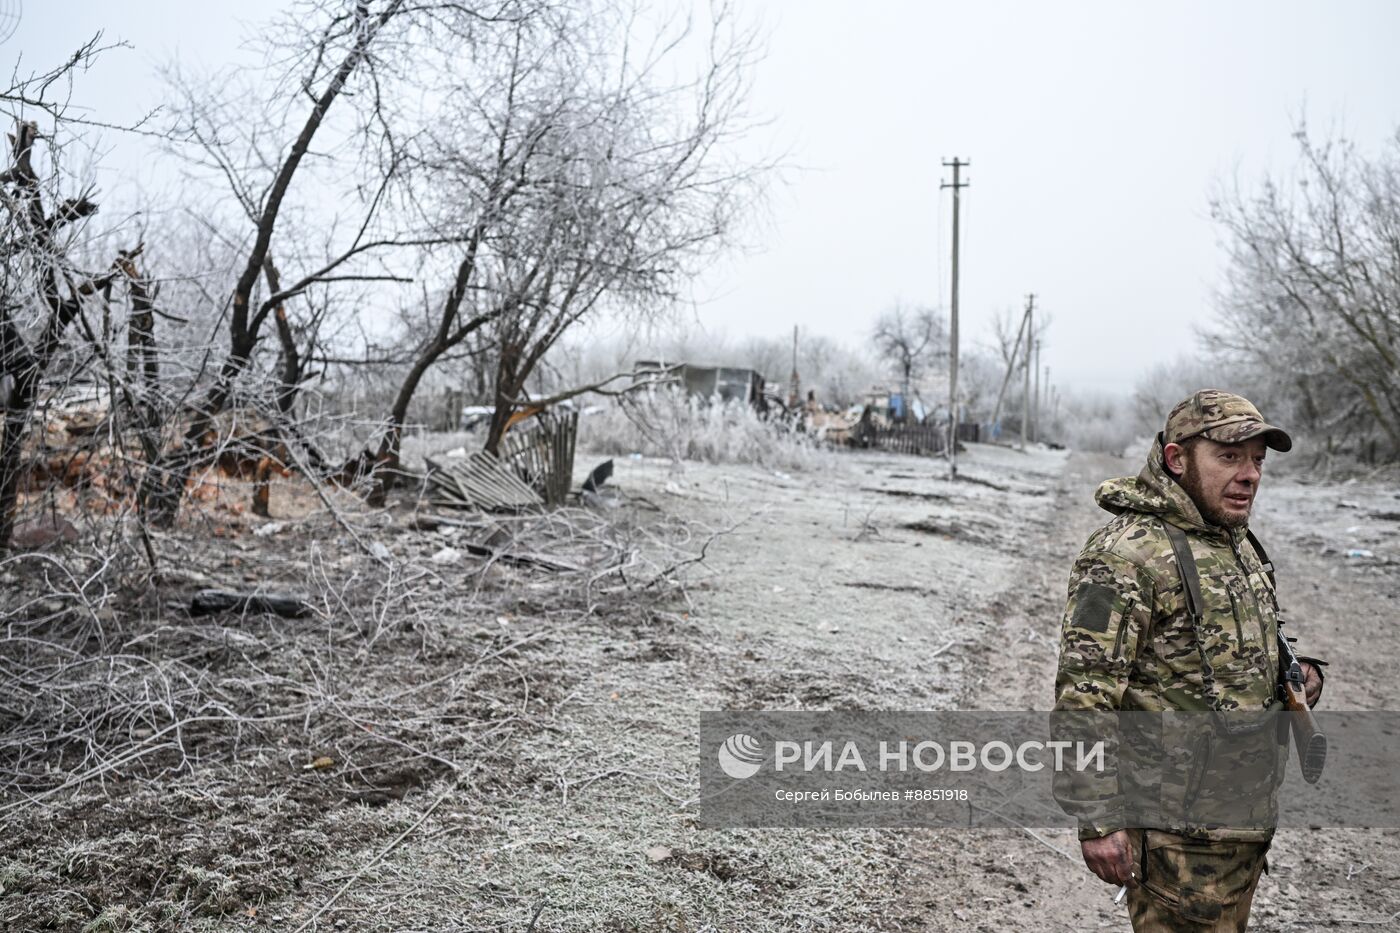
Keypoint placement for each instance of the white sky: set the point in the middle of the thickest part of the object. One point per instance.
(1096, 133)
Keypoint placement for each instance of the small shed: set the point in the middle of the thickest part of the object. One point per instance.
(730, 383)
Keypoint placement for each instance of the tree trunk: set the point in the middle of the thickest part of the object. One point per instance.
(386, 458)
(16, 421)
(163, 486)
(507, 391)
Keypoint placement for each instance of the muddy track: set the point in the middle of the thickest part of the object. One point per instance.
(1343, 610)
(1016, 878)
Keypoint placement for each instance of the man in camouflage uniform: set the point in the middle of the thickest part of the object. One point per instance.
(1129, 643)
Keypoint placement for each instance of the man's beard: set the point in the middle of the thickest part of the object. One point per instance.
(1191, 482)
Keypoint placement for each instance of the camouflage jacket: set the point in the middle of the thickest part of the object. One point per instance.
(1128, 642)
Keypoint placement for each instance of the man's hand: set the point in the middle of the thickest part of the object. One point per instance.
(1111, 858)
(1312, 683)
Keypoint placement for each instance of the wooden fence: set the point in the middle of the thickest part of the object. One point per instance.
(543, 454)
(901, 439)
(910, 438)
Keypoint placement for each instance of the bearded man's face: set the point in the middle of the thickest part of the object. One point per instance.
(1222, 479)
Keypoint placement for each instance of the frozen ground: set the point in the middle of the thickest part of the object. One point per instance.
(870, 583)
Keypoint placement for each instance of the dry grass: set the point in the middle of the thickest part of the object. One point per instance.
(187, 747)
(670, 424)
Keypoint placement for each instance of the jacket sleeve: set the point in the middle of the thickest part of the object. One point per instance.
(1107, 615)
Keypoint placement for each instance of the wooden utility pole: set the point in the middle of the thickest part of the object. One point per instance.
(957, 185)
(1011, 360)
(1035, 411)
(1026, 388)
(1045, 403)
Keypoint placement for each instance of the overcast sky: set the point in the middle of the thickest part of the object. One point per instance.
(1096, 132)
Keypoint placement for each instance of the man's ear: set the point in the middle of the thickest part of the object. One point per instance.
(1175, 457)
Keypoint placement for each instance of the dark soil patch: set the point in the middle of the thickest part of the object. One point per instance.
(910, 494)
(893, 587)
(948, 529)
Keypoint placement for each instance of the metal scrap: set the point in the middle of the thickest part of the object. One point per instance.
(482, 482)
(208, 602)
(600, 475)
(543, 454)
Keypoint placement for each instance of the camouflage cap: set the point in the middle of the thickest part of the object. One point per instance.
(1222, 417)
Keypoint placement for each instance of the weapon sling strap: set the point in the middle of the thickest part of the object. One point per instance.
(1191, 578)
(1186, 566)
(1263, 556)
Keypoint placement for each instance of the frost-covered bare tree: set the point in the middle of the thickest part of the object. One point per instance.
(1009, 343)
(571, 173)
(265, 157)
(908, 339)
(1163, 385)
(1311, 310)
(839, 375)
(49, 273)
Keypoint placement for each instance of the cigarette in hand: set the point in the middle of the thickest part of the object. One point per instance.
(1118, 898)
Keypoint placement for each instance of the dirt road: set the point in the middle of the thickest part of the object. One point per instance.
(879, 585)
(1344, 610)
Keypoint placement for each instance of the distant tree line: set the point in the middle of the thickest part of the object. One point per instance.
(1310, 312)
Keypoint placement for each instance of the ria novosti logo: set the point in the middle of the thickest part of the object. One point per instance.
(740, 756)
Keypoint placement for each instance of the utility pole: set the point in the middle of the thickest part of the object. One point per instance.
(957, 187)
(1035, 412)
(1011, 361)
(1026, 388)
(1045, 403)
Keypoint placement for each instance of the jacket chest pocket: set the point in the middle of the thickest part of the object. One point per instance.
(1235, 630)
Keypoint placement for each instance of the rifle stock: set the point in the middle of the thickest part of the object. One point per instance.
(1307, 737)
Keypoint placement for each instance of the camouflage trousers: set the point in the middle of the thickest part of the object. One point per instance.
(1193, 885)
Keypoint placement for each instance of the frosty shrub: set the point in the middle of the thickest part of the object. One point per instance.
(668, 423)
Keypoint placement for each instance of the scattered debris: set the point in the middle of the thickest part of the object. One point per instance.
(207, 602)
(481, 482)
(543, 455)
(320, 764)
(448, 555)
(426, 521)
(600, 475)
(271, 528)
(600, 500)
(529, 560)
(1360, 552)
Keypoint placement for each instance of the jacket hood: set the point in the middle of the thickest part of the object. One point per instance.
(1154, 492)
